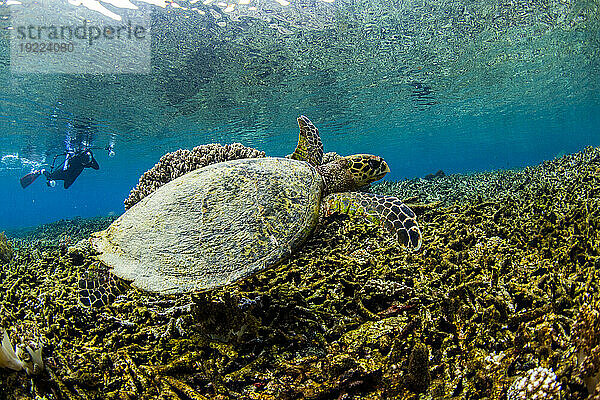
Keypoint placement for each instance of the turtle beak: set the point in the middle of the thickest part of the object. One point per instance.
(378, 167)
(385, 167)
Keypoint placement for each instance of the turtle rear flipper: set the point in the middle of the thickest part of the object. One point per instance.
(310, 147)
(97, 288)
(390, 212)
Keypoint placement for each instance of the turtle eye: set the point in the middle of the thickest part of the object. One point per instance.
(374, 164)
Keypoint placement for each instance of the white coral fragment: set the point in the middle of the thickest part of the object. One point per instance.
(8, 357)
(12, 357)
(35, 352)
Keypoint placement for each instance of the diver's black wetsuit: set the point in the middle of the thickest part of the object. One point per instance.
(68, 171)
(74, 165)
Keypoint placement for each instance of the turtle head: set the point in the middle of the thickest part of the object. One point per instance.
(366, 168)
(352, 172)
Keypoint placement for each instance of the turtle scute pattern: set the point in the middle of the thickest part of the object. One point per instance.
(390, 212)
(97, 287)
(214, 226)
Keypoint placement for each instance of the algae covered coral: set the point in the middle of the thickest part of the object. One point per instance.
(506, 283)
(6, 250)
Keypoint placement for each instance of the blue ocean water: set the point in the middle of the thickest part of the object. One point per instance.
(428, 85)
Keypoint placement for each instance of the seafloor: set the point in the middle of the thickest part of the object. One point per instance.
(506, 282)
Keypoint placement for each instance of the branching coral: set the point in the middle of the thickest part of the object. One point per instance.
(538, 383)
(6, 250)
(175, 164)
(587, 332)
(493, 294)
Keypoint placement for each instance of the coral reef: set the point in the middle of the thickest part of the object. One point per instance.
(502, 185)
(587, 343)
(175, 164)
(438, 174)
(507, 281)
(6, 249)
(62, 233)
(538, 383)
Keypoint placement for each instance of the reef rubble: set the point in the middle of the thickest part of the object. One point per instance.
(504, 294)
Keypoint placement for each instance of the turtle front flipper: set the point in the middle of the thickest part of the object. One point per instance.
(310, 147)
(388, 211)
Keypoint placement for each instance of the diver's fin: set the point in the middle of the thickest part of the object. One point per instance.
(29, 178)
(69, 181)
(94, 163)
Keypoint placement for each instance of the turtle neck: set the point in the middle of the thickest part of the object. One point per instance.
(336, 177)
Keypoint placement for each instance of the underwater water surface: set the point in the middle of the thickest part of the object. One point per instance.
(428, 85)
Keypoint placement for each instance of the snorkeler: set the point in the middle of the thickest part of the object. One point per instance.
(78, 156)
(69, 170)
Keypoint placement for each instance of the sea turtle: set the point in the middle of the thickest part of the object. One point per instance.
(223, 222)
